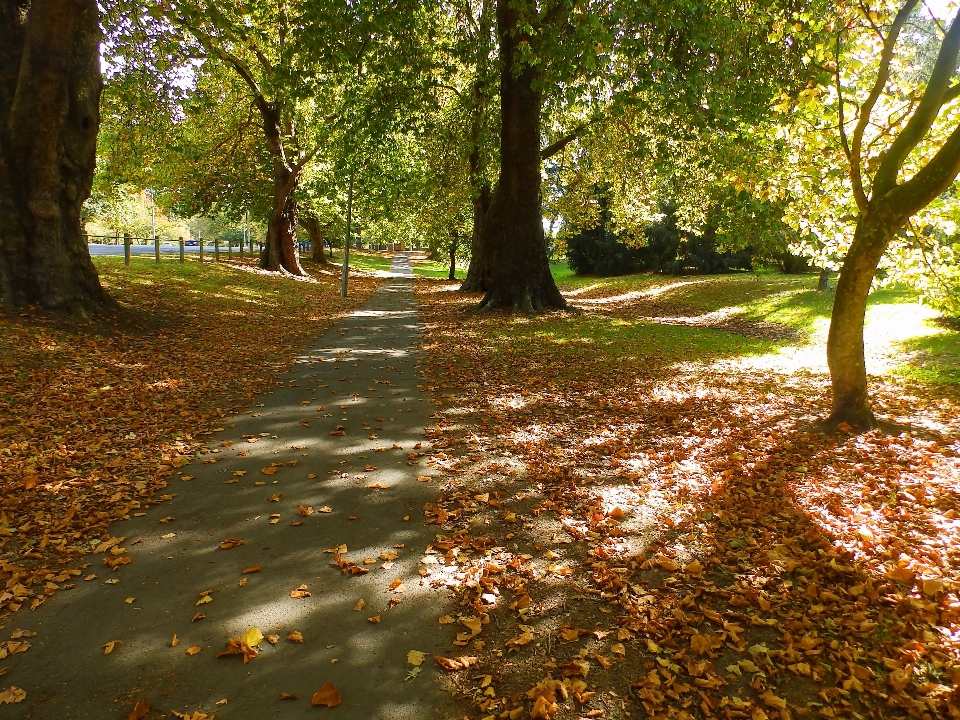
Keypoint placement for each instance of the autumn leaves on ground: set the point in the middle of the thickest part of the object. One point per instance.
(95, 418)
(641, 517)
(636, 513)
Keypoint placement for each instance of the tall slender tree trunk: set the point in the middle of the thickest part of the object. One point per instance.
(280, 251)
(481, 264)
(845, 353)
(823, 282)
(49, 118)
(520, 276)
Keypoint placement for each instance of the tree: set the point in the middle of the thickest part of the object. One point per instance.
(49, 117)
(894, 173)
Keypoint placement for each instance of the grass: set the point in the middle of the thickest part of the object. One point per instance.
(903, 337)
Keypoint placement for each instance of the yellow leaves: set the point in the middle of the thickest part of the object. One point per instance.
(269, 470)
(193, 649)
(397, 585)
(389, 555)
(274, 518)
(568, 634)
(232, 542)
(296, 636)
(560, 570)
(375, 619)
(12, 695)
(108, 647)
(378, 486)
(525, 638)
(693, 568)
(618, 649)
(129, 600)
(327, 696)
(900, 678)
(932, 586)
(447, 619)
(204, 600)
(325, 509)
(174, 641)
(275, 497)
(361, 603)
(253, 637)
(304, 511)
(415, 658)
(300, 592)
(454, 664)
(773, 701)
(473, 624)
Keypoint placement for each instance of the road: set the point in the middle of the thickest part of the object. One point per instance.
(165, 249)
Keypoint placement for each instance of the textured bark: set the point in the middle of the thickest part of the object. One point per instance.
(280, 251)
(481, 264)
(49, 118)
(520, 274)
(315, 231)
(845, 355)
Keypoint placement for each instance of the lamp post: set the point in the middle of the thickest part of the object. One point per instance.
(153, 224)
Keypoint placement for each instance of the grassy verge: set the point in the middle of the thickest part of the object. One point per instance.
(95, 417)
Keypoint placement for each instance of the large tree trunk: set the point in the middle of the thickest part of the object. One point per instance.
(845, 355)
(315, 233)
(520, 275)
(49, 118)
(280, 251)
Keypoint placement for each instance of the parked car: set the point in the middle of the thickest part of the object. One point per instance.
(191, 243)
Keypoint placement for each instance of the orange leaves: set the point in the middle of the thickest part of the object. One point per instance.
(115, 561)
(348, 567)
(269, 470)
(250, 570)
(244, 645)
(232, 542)
(300, 592)
(455, 664)
(304, 511)
(339, 431)
(139, 710)
(327, 696)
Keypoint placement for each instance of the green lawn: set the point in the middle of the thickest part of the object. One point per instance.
(903, 337)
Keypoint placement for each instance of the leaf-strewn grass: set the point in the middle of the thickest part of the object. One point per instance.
(95, 417)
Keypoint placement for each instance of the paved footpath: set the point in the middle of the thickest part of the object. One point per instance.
(362, 375)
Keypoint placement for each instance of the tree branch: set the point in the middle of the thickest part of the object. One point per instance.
(843, 131)
(925, 113)
(883, 74)
(558, 145)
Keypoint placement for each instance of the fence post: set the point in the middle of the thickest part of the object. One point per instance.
(181, 251)
(216, 249)
(229, 249)
(200, 242)
(126, 249)
(156, 248)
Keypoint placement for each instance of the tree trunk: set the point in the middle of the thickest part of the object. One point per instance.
(823, 283)
(845, 356)
(49, 118)
(520, 275)
(280, 251)
(315, 233)
(453, 259)
(480, 269)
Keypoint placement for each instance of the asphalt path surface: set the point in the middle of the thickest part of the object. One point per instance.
(362, 375)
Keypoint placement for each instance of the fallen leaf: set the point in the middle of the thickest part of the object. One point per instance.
(295, 636)
(108, 647)
(374, 619)
(231, 543)
(415, 657)
(300, 592)
(360, 604)
(252, 637)
(174, 641)
(454, 664)
(193, 649)
(328, 696)
(251, 569)
(205, 599)
(139, 710)
(271, 470)
(288, 696)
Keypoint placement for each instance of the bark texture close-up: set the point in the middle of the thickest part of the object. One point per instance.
(50, 88)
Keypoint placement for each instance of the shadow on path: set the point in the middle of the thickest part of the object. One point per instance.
(362, 376)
